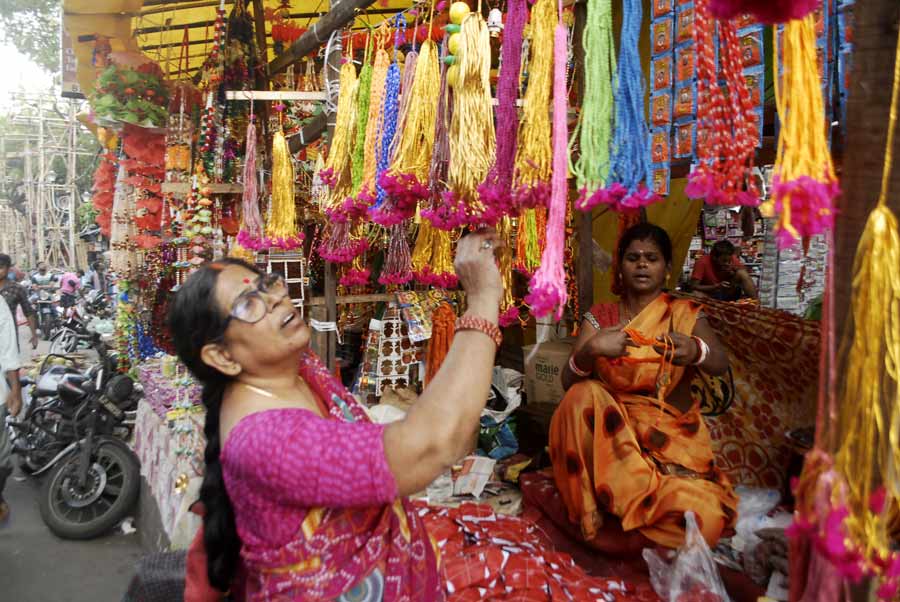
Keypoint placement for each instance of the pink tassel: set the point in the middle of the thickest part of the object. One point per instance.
(548, 286)
(251, 218)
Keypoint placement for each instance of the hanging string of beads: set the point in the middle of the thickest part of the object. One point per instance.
(724, 163)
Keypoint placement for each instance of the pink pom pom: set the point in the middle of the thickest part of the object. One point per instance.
(509, 317)
(767, 11)
(355, 277)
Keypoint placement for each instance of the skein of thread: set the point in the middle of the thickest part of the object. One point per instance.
(250, 198)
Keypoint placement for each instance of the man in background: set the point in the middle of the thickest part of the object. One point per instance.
(16, 297)
(10, 396)
(42, 277)
(69, 285)
(721, 275)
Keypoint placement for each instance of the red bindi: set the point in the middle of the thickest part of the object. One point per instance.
(246, 281)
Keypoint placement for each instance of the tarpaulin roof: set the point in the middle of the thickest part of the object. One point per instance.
(157, 28)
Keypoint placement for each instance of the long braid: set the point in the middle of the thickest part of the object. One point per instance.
(194, 314)
(220, 535)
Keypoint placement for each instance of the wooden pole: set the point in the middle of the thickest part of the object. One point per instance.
(867, 117)
(341, 14)
(332, 77)
(584, 266)
(310, 132)
(262, 72)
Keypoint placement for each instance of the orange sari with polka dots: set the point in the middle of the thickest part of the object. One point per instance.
(620, 454)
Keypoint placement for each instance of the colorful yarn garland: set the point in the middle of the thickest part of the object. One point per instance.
(443, 327)
(534, 154)
(338, 166)
(251, 221)
(724, 164)
(373, 123)
(363, 97)
(548, 286)
(388, 129)
(593, 134)
(496, 190)
(804, 186)
(397, 268)
(630, 160)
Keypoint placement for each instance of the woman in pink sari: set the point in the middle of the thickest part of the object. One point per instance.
(303, 496)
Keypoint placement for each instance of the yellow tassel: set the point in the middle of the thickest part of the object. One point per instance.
(472, 137)
(240, 252)
(529, 241)
(441, 255)
(802, 142)
(413, 151)
(534, 154)
(869, 423)
(421, 255)
(339, 154)
(505, 257)
(283, 222)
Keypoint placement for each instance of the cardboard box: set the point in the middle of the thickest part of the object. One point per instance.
(544, 370)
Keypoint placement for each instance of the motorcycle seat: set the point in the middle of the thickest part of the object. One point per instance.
(71, 388)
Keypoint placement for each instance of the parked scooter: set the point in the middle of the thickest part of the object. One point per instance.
(90, 315)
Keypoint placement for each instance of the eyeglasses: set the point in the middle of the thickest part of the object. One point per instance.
(250, 307)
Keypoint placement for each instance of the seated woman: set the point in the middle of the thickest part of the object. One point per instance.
(303, 496)
(627, 442)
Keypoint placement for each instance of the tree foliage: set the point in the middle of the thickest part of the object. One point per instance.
(32, 26)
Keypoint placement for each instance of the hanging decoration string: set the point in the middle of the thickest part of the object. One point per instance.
(436, 209)
(363, 97)
(443, 327)
(630, 159)
(282, 226)
(509, 311)
(373, 122)
(390, 112)
(496, 191)
(548, 286)
(406, 180)
(251, 232)
(535, 155)
(724, 118)
(472, 136)
(337, 173)
(593, 134)
(804, 185)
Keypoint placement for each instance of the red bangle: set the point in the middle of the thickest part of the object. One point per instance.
(481, 325)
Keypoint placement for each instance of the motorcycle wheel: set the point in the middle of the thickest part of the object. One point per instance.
(112, 489)
(64, 341)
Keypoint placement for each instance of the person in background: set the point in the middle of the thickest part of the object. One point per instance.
(42, 277)
(69, 285)
(16, 297)
(10, 395)
(83, 279)
(98, 277)
(721, 275)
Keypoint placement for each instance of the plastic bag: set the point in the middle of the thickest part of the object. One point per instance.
(692, 576)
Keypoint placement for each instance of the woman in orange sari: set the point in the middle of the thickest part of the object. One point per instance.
(627, 442)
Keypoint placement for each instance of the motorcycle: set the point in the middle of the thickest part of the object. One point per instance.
(48, 313)
(89, 315)
(72, 432)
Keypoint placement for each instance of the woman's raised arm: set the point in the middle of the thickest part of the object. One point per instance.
(438, 428)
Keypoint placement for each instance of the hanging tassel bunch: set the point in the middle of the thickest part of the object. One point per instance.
(397, 268)
(471, 133)
(251, 232)
(548, 286)
(282, 227)
(724, 164)
(406, 180)
(535, 155)
(593, 133)
(338, 166)
(363, 94)
(496, 190)
(356, 275)
(366, 195)
(509, 311)
(855, 527)
(530, 240)
(432, 258)
(388, 124)
(630, 161)
(804, 186)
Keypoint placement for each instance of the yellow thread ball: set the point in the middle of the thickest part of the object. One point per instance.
(458, 12)
(452, 76)
(453, 43)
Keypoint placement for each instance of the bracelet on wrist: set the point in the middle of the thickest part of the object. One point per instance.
(702, 350)
(573, 366)
(469, 322)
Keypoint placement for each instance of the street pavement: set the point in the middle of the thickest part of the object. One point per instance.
(37, 566)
